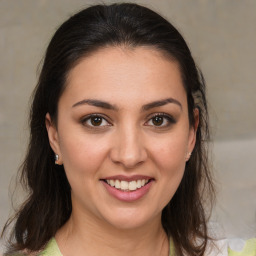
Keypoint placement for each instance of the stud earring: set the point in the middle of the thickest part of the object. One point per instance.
(56, 157)
(188, 156)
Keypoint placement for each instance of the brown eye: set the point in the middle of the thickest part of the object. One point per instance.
(161, 120)
(158, 120)
(96, 120)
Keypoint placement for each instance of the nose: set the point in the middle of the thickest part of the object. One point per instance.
(128, 148)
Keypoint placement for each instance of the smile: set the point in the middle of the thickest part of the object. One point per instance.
(128, 188)
(127, 185)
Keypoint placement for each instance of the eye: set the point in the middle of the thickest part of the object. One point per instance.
(161, 120)
(95, 121)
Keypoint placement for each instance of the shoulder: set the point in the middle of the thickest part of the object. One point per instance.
(51, 249)
(232, 247)
(228, 247)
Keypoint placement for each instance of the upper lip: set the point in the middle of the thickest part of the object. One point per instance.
(128, 178)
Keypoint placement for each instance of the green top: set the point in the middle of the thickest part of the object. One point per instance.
(249, 249)
(52, 249)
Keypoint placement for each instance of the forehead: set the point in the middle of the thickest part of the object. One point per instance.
(118, 73)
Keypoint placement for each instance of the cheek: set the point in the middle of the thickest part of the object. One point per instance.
(169, 159)
(82, 155)
(170, 152)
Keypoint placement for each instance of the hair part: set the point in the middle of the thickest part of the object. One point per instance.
(48, 205)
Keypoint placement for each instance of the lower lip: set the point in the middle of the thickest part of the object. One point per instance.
(128, 196)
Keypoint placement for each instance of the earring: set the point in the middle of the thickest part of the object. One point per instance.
(56, 157)
(188, 156)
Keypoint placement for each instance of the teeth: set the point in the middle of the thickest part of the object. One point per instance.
(117, 184)
(133, 185)
(138, 183)
(126, 185)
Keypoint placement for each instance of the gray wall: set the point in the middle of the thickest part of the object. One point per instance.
(222, 37)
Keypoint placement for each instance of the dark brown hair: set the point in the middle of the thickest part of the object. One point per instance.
(48, 205)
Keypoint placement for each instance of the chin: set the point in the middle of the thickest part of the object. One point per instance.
(128, 219)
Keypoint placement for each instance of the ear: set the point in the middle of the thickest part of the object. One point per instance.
(53, 137)
(192, 134)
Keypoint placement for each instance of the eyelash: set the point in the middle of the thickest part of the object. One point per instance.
(89, 118)
(167, 118)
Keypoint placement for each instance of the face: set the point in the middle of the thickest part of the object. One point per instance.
(123, 135)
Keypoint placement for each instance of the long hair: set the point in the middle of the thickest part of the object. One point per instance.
(48, 205)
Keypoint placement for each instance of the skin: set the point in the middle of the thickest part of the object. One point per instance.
(127, 142)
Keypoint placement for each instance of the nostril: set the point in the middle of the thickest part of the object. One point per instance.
(128, 150)
(127, 161)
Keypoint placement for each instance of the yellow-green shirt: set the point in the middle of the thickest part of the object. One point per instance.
(249, 249)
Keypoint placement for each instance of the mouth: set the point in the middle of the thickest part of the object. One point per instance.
(128, 189)
(127, 186)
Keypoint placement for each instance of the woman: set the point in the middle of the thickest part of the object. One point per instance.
(117, 159)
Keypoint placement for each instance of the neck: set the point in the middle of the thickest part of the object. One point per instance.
(87, 236)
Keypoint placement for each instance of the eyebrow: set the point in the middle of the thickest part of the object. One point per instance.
(96, 103)
(160, 103)
(106, 105)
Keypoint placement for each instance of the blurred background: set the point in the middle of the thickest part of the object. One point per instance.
(222, 38)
